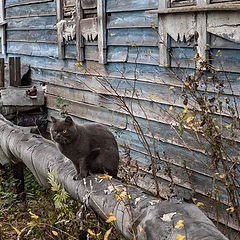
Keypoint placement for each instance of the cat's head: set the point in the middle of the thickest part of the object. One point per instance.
(63, 131)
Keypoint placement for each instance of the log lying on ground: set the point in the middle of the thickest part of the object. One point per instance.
(138, 215)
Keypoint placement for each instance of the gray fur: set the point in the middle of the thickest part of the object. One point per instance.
(91, 147)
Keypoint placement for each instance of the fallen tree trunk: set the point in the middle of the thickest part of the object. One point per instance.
(138, 215)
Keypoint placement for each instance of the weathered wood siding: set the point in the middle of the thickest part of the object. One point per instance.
(132, 54)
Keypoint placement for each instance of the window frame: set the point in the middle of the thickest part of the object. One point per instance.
(101, 29)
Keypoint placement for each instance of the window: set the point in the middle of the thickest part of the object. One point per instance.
(81, 22)
(204, 17)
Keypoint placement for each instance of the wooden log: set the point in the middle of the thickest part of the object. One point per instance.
(138, 215)
(15, 71)
(12, 80)
(2, 82)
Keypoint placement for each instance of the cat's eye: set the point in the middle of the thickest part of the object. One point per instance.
(64, 131)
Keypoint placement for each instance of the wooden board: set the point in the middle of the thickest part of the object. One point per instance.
(33, 10)
(130, 5)
(135, 36)
(226, 59)
(222, 43)
(47, 36)
(33, 49)
(12, 3)
(138, 19)
(45, 22)
(183, 57)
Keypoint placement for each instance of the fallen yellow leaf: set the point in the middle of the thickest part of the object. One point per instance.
(105, 176)
(33, 215)
(54, 233)
(199, 204)
(92, 233)
(106, 235)
(152, 95)
(189, 119)
(180, 237)
(78, 64)
(140, 228)
(121, 195)
(179, 224)
(111, 219)
(133, 44)
(17, 231)
(230, 209)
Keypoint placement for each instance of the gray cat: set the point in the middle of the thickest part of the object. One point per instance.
(91, 147)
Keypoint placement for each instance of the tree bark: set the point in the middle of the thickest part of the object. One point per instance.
(138, 215)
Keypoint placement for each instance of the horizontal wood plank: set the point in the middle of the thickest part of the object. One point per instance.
(33, 36)
(47, 22)
(130, 5)
(41, 9)
(222, 43)
(138, 19)
(14, 3)
(226, 59)
(134, 36)
(33, 49)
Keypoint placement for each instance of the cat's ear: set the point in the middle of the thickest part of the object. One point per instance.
(69, 120)
(54, 120)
